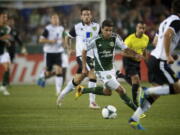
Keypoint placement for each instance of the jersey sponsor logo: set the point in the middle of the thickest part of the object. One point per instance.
(88, 34)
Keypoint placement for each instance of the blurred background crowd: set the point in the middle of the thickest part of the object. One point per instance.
(124, 13)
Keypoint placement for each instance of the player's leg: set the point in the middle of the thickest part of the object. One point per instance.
(135, 118)
(92, 84)
(64, 71)
(65, 63)
(164, 89)
(5, 61)
(69, 87)
(169, 83)
(135, 86)
(132, 69)
(58, 70)
(98, 90)
(113, 84)
(47, 72)
(73, 83)
(58, 79)
(155, 77)
(95, 90)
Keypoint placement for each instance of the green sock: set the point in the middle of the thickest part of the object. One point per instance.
(128, 101)
(95, 90)
(5, 81)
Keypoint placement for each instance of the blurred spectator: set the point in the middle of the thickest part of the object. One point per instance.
(124, 13)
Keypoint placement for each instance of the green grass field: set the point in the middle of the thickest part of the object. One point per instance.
(31, 110)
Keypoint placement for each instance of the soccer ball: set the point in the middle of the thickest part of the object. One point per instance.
(109, 112)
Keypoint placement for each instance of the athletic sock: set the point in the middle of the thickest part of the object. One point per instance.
(159, 90)
(58, 82)
(128, 101)
(96, 90)
(135, 93)
(42, 74)
(69, 87)
(5, 81)
(92, 84)
(141, 110)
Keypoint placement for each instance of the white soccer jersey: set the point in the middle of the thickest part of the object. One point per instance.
(172, 22)
(83, 34)
(53, 33)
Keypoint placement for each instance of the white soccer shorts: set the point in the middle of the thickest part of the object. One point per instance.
(4, 58)
(109, 79)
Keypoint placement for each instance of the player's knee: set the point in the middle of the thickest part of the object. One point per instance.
(135, 79)
(120, 90)
(107, 92)
(59, 75)
(47, 74)
(78, 79)
(176, 87)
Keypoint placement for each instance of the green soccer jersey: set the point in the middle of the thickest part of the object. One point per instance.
(104, 51)
(3, 31)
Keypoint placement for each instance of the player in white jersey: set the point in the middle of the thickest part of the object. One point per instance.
(83, 32)
(160, 73)
(52, 38)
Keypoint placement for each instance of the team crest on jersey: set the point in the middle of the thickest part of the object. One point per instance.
(108, 76)
(99, 45)
(94, 28)
(112, 44)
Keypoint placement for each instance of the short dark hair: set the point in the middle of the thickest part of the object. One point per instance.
(140, 22)
(85, 8)
(107, 23)
(176, 6)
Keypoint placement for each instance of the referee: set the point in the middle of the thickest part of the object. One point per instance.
(138, 42)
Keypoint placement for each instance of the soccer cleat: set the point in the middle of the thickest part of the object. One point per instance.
(41, 82)
(78, 91)
(142, 116)
(135, 124)
(4, 90)
(59, 101)
(93, 105)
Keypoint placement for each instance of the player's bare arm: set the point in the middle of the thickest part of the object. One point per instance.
(45, 40)
(155, 40)
(131, 53)
(67, 42)
(5, 37)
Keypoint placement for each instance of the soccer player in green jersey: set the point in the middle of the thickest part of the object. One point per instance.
(103, 47)
(4, 56)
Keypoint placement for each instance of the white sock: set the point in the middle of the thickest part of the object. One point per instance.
(69, 87)
(92, 97)
(42, 74)
(58, 82)
(159, 90)
(139, 111)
